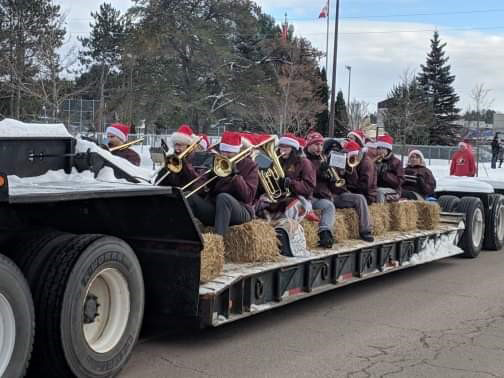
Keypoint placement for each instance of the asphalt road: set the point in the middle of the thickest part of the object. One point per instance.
(444, 319)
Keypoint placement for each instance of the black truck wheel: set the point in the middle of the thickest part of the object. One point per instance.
(472, 239)
(448, 203)
(17, 320)
(494, 231)
(90, 302)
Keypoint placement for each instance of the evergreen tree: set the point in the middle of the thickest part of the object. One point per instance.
(436, 83)
(340, 116)
(323, 94)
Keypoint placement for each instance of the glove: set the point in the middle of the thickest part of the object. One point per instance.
(324, 166)
(284, 182)
(236, 171)
(420, 180)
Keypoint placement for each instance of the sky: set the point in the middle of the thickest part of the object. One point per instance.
(382, 39)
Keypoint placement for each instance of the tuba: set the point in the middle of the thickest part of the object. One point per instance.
(270, 177)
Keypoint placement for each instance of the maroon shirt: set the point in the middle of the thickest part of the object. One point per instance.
(302, 175)
(242, 186)
(391, 173)
(129, 155)
(426, 183)
(324, 188)
(363, 179)
(186, 175)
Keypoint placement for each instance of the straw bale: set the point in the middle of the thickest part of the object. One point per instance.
(351, 222)
(403, 216)
(311, 233)
(254, 241)
(429, 214)
(380, 215)
(212, 256)
(340, 230)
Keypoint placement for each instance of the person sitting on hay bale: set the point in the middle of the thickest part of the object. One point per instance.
(419, 182)
(117, 135)
(229, 200)
(299, 181)
(361, 178)
(323, 193)
(390, 171)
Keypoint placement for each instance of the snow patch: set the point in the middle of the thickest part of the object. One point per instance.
(462, 184)
(437, 248)
(11, 128)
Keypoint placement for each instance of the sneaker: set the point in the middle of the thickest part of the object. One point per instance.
(325, 239)
(367, 236)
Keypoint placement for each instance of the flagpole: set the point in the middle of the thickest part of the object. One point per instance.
(335, 61)
(327, 36)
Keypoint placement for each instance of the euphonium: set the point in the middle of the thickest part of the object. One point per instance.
(270, 177)
(333, 174)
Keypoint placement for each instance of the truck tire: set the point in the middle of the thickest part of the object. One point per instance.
(494, 231)
(448, 203)
(17, 320)
(472, 238)
(90, 301)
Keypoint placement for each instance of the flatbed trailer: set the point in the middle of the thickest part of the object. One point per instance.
(87, 258)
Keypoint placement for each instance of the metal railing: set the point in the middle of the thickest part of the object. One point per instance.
(441, 152)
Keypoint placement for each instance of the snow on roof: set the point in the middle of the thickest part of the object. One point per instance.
(462, 184)
(11, 128)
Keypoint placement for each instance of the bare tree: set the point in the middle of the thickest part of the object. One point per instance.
(358, 112)
(479, 95)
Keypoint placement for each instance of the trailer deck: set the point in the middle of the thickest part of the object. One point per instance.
(243, 290)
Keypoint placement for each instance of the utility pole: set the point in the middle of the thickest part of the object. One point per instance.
(327, 36)
(349, 68)
(335, 60)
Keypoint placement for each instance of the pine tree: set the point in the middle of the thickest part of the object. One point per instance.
(340, 116)
(436, 83)
(323, 94)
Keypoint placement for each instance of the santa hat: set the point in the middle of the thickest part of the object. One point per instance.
(359, 136)
(419, 153)
(290, 140)
(120, 130)
(302, 142)
(204, 142)
(370, 144)
(462, 145)
(230, 142)
(314, 137)
(385, 141)
(184, 135)
(351, 147)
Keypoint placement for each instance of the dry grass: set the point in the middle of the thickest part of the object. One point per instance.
(340, 230)
(311, 233)
(254, 241)
(403, 216)
(351, 222)
(380, 215)
(212, 256)
(429, 214)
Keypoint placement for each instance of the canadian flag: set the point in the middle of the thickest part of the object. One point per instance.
(325, 11)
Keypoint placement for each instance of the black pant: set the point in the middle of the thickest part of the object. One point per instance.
(226, 211)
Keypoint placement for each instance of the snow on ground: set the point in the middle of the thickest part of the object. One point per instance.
(13, 128)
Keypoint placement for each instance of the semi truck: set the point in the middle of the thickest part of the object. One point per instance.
(88, 253)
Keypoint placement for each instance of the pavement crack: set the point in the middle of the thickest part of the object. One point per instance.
(180, 366)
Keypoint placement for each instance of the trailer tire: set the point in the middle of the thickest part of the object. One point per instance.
(494, 231)
(17, 320)
(448, 203)
(472, 238)
(88, 277)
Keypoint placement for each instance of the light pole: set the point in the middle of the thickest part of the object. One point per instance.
(335, 62)
(349, 68)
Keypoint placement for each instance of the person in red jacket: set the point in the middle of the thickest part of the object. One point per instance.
(390, 171)
(300, 181)
(462, 163)
(229, 200)
(117, 134)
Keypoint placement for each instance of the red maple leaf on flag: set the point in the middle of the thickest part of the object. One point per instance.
(325, 11)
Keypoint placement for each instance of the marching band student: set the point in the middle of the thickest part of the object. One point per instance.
(390, 171)
(300, 181)
(344, 199)
(322, 194)
(204, 143)
(117, 134)
(229, 200)
(359, 137)
(361, 179)
(418, 179)
(181, 140)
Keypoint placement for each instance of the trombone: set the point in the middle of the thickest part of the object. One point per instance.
(223, 167)
(175, 163)
(126, 145)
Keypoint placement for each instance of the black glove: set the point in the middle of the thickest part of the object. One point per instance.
(324, 166)
(284, 183)
(420, 180)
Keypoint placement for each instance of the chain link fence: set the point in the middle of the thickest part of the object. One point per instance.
(441, 152)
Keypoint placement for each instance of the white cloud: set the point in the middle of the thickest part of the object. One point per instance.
(378, 59)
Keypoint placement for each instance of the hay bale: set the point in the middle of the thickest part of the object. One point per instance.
(380, 215)
(212, 257)
(311, 233)
(254, 241)
(351, 222)
(429, 214)
(403, 216)
(340, 230)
